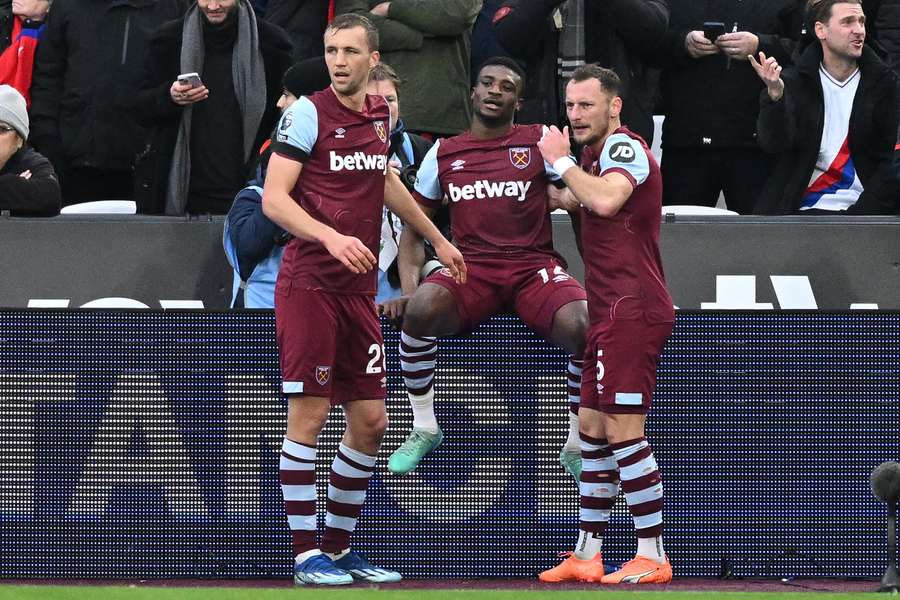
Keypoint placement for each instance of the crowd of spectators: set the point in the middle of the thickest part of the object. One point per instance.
(110, 119)
(710, 96)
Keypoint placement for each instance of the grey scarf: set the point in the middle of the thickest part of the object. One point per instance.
(249, 75)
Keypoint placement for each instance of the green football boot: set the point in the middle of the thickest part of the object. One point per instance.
(413, 450)
(571, 462)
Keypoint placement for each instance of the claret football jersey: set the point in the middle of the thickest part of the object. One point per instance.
(497, 190)
(345, 160)
(623, 269)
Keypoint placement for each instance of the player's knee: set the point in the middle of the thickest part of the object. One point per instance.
(570, 327)
(378, 427)
(580, 324)
(419, 315)
(303, 424)
(372, 427)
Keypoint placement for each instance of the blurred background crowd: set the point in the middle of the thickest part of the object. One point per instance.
(91, 106)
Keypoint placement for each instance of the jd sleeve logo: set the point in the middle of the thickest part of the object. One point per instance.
(622, 152)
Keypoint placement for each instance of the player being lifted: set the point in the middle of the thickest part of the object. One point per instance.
(619, 194)
(497, 185)
(327, 182)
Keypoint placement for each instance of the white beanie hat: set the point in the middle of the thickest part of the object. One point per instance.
(13, 110)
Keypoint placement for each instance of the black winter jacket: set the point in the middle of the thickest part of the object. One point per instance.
(85, 78)
(6, 24)
(619, 34)
(304, 21)
(883, 27)
(525, 30)
(37, 196)
(155, 107)
(792, 129)
(712, 101)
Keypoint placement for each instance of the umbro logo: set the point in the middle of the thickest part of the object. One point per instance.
(457, 165)
(339, 133)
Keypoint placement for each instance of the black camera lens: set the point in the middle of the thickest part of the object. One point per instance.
(409, 175)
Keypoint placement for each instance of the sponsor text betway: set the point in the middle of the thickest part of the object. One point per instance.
(358, 161)
(489, 189)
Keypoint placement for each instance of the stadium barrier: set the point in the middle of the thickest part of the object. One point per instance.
(809, 262)
(144, 444)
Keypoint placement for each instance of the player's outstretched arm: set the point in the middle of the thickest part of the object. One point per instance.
(604, 196)
(401, 203)
(280, 207)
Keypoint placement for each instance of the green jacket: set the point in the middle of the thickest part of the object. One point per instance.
(427, 43)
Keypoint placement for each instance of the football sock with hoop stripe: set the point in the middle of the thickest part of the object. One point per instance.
(643, 489)
(573, 384)
(417, 360)
(297, 472)
(599, 489)
(349, 479)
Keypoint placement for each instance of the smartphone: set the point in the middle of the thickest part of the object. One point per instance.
(191, 79)
(713, 29)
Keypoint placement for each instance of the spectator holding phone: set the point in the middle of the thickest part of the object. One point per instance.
(553, 37)
(211, 83)
(709, 93)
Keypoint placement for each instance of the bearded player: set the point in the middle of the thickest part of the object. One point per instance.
(618, 190)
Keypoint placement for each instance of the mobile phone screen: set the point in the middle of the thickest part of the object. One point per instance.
(713, 29)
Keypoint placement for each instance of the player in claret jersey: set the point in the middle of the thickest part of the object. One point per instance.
(327, 183)
(619, 194)
(497, 184)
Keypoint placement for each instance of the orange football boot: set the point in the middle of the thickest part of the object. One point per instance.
(641, 569)
(574, 569)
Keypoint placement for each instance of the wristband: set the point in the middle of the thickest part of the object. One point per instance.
(561, 165)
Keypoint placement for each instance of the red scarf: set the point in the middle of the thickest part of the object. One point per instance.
(17, 61)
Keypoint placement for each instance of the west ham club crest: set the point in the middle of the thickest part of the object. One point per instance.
(520, 157)
(380, 131)
(323, 374)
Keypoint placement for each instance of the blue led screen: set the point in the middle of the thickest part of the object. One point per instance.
(145, 444)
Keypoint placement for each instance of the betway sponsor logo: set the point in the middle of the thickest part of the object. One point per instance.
(358, 161)
(489, 189)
